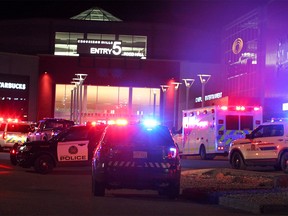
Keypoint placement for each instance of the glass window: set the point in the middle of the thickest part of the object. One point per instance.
(23, 128)
(232, 122)
(145, 101)
(134, 45)
(78, 133)
(2, 126)
(136, 135)
(269, 131)
(101, 36)
(104, 102)
(63, 101)
(246, 122)
(66, 43)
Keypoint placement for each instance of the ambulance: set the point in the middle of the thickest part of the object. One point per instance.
(208, 131)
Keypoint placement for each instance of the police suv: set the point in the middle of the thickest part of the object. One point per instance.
(136, 156)
(267, 145)
(72, 146)
(12, 132)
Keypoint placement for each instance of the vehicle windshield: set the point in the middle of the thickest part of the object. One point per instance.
(59, 135)
(268, 131)
(2, 126)
(22, 128)
(137, 135)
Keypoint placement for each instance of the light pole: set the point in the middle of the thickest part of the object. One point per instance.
(73, 108)
(78, 81)
(176, 87)
(188, 84)
(164, 89)
(204, 78)
(154, 103)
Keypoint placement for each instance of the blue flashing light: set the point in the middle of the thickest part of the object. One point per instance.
(150, 123)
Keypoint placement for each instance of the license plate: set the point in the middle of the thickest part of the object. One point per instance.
(139, 154)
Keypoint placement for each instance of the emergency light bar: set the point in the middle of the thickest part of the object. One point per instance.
(150, 122)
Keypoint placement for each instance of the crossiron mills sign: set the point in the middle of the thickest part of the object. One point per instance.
(104, 48)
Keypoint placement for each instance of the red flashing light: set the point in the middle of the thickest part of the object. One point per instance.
(121, 122)
(224, 108)
(240, 108)
(118, 122)
(172, 153)
(93, 123)
(256, 108)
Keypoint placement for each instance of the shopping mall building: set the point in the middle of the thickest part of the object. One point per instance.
(96, 67)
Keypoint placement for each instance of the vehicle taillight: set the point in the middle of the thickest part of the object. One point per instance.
(13, 151)
(172, 153)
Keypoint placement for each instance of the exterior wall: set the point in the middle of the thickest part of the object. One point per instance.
(104, 72)
(243, 55)
(37, 36)
(23, 65)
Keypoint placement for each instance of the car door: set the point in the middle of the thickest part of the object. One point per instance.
(266, 142)
(73, 146)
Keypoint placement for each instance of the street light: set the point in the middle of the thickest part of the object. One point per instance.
(176, 87)
(204, 78)
(73, 108)
(188, 84)
(164, 89)
(78, 81)
(154, 102)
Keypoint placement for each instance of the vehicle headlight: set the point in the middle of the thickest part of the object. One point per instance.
(25, 148)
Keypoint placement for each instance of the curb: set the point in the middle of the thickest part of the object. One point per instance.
(253, 207)
(249, 201)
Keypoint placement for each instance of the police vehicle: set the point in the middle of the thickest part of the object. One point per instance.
(12, 132)
(70, 147)
(47, 128)
(136, 156)
(267, 145)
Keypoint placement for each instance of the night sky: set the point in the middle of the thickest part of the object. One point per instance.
(197, 13)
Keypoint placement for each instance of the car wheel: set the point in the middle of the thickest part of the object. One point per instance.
(13, 159)
(98, 188)
(237, 161)
(203, 154)
(172, 191)
(44, 164)
(284, 162)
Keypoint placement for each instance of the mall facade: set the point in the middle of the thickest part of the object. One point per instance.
(95, 67)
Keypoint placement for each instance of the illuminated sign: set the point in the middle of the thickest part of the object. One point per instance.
(209, 97)
(285, 106)
(10, 85)
(237, 46)
(104, 47)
